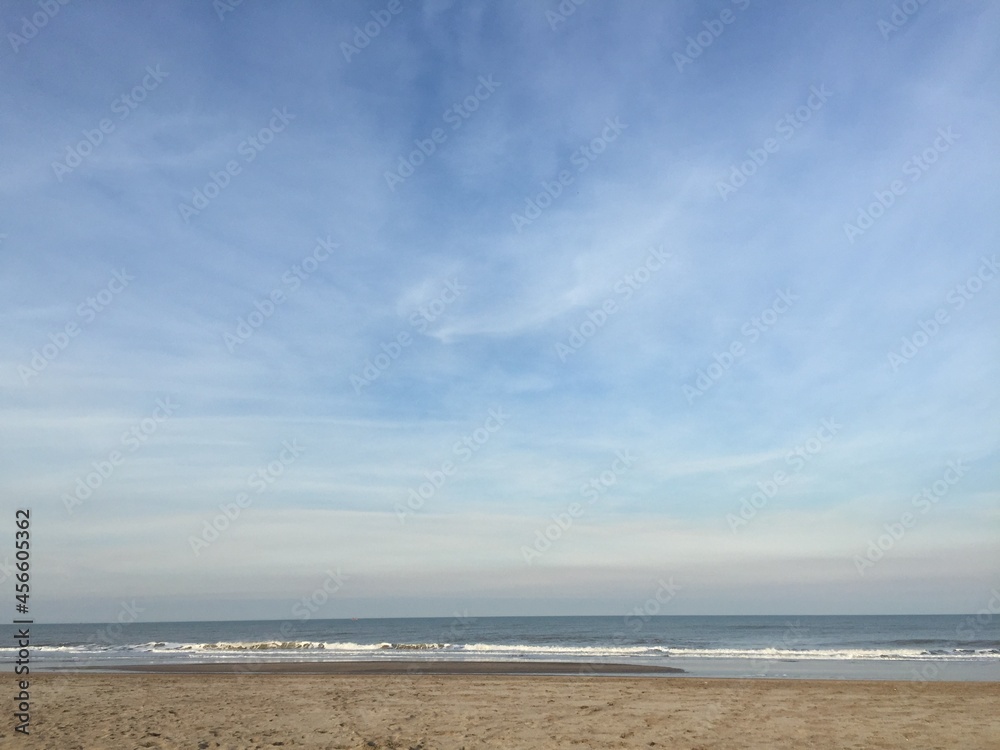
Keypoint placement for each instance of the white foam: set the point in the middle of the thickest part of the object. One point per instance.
(232, 649)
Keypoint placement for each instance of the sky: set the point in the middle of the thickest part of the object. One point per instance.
(528, 308)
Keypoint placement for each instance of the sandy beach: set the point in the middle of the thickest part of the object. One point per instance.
(267, 709)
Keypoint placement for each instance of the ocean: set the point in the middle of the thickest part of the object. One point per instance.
(920, 647)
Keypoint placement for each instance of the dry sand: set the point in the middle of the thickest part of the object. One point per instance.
(267, 710)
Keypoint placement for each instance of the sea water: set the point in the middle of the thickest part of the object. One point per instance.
(919, 647)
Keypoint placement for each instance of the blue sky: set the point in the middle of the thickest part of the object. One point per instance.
(676, 254)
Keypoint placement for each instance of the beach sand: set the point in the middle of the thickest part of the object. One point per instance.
(268, 709)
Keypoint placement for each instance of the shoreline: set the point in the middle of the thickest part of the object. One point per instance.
(388, 667)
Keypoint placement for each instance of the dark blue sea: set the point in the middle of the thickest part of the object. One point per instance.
(924, 647)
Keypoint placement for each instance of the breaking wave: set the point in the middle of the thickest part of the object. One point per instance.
(347, 649)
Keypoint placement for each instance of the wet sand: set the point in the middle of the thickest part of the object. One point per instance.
(400, 667)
